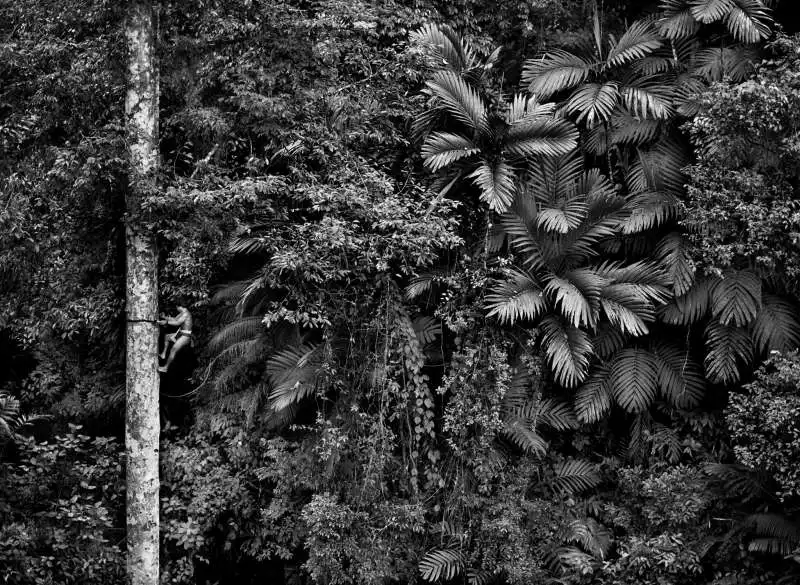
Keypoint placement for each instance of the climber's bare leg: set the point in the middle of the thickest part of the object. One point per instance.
(179, 344)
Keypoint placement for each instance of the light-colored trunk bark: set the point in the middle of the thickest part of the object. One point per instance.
(141, 412)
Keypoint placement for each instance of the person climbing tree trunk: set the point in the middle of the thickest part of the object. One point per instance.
(142, 383)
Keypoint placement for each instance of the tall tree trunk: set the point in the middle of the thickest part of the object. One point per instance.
(142, 415)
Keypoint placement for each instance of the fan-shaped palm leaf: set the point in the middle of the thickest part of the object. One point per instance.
(567, 349)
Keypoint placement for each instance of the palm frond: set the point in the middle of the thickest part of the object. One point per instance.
(525, 108)
(776, 326)
(460, 100)
(556, 414)
(442, 149)
(748, 21)
(677, 21)
(647, 210)
(571, 302)
(593, 399)
(735, 62)
(496, 184)
(593, 102)
(636, 43)
(659, 168)
(292, 374)
(739, 480)
(517, 298)
(243, 329)
(774, 534)
(534, 136)
(672, 251)
(446, 46)
(634, 378)
(567, 349)
(568, 216)
(554, 72)
(427, 328)
(607, 340)
(574, 476)
(591, 535)
(680, 379)
(643, 100)
(691, 307)
(627, 308)
(628, 129)
(727, 346)
(522, 240)
(736, 297)
(520, 432)
(442, 565)
(708, 11)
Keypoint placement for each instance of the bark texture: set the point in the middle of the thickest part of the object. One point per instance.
(142, 383)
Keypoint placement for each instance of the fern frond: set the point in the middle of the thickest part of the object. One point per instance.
(591, 535)
(736, 297)
(442, 565)
(776, 326)
(739, 480)
(574, 476)
(460, 100)
(442, 149)
(727, 345)
(567, 349)
(554, 72)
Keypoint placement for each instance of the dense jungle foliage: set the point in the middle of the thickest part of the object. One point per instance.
(483, 292)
